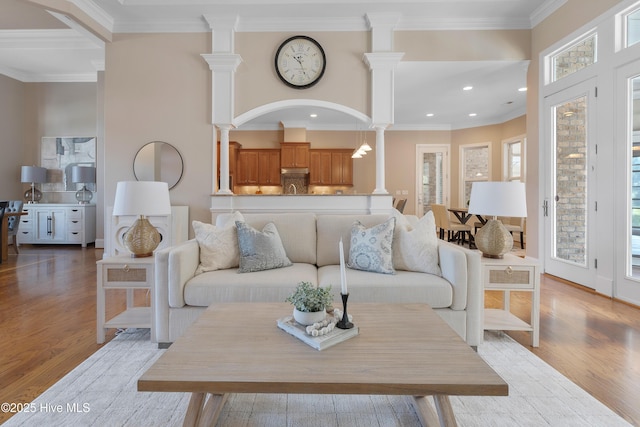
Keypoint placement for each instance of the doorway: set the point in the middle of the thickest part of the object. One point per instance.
(432, 173)
(569, 203)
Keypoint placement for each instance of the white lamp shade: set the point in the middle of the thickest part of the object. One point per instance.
(142, 198)
(83, 174)
(33, 174)
(498, 198)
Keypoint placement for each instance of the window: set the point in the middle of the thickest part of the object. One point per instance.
(513, 160)
(632, 21)
(573, 58)
(475, 167)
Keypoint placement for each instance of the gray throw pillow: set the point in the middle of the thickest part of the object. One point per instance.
(260, 250)
(371, 247)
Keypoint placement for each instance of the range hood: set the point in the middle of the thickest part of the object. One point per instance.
(294, 171)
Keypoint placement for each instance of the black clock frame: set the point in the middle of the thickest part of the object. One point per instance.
(324, 62)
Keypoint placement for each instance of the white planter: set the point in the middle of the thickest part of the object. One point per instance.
(306, 318)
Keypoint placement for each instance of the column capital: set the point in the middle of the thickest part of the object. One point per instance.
(222, 61)
(382, 60)
(382, 26)
(223, 30)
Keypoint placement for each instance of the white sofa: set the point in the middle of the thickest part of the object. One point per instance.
(311, 243)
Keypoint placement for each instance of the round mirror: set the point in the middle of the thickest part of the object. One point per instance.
(158, 161)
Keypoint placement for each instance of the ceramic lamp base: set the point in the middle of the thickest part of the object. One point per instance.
(142, 238)
(493, 239)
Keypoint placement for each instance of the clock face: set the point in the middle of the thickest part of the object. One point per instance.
(300, 62)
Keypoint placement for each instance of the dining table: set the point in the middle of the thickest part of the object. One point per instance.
(463, 215)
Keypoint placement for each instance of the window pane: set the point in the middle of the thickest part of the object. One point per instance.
(571, 181)
(633, 28)
(574, 58)
(514, 161)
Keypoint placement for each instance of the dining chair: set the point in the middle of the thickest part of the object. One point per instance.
(455, 230)
(401, 204)
(515, 227)
(13, 223)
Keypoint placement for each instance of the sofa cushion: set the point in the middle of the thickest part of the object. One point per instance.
(260, 250)
(218, 244)
(371, 248)
(264, 286)
(402, 287)
(331, 228)
(297, 232)
(415, 247)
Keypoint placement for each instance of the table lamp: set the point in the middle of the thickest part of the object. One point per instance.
(34, 175)
(142, 199)
(495, 199)
(83, 175)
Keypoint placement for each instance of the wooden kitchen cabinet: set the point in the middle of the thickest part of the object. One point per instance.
(320, 167)
(341, 167)
(258, 167)
(269, 167)
(331, 167)
(294, 154)
(247, 173)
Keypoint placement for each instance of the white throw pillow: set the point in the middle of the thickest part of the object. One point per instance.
(371, 248)
(416, 248)
(260, 250)
(218, 245)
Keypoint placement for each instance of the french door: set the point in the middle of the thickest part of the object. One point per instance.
(569, 206)
(627, 178)
(432, 173)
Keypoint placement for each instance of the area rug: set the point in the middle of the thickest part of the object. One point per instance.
(102, 392)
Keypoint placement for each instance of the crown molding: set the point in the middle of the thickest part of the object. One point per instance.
(44, 39)
(545, 10)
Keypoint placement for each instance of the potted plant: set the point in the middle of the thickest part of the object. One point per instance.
(310, 303)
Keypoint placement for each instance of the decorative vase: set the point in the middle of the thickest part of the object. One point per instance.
(309, 318)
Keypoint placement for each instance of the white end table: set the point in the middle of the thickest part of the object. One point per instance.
(509, 274)
(125, 272)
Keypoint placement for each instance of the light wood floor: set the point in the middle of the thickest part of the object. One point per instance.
(48, 320)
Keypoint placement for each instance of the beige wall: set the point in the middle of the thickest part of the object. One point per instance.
(346, 80)
(14, 149)
(157, 87)
(30, 111)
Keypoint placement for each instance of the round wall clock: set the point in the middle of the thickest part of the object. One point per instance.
(300, 62)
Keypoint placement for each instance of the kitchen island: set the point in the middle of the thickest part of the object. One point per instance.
(318, 203)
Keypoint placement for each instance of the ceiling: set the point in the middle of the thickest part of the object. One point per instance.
(41, 46)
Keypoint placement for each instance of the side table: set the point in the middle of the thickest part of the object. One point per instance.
(125, 272)
(509, 274)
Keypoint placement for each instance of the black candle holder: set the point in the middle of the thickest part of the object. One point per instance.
(344, 323)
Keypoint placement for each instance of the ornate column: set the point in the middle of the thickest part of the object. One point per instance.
(382, 63)
(223, 64)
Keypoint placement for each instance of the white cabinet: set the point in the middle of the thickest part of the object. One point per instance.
(53, 223)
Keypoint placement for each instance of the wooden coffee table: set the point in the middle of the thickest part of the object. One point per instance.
(402, 349)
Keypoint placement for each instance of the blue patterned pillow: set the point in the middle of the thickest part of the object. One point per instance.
(371, 247)
(260, 250)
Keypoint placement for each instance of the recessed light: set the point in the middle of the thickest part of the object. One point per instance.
(314, 115)
(472, 114)
(467, 88)
(522, 89)
(429, 114)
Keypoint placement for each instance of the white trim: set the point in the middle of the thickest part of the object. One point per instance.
(291, 103)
